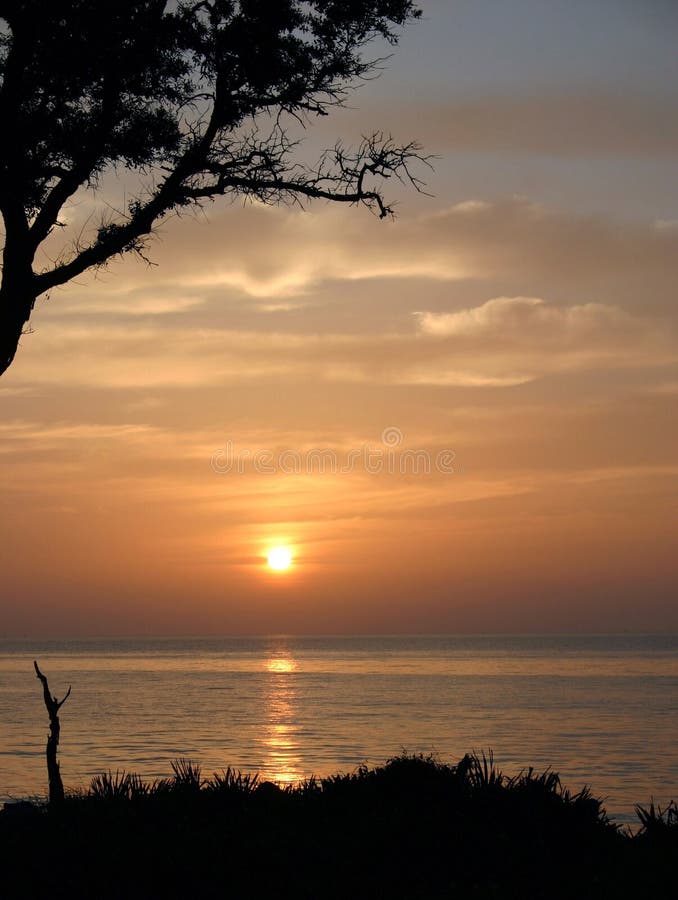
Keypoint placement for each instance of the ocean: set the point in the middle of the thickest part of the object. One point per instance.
(601, 710)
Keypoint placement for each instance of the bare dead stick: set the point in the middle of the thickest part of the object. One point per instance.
(56, 787)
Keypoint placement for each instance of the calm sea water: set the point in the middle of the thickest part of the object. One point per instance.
(601, 710)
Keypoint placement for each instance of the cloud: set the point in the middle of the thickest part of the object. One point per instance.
(281, 257)
(530, 319)
(19, 391)
(592, 125)
(512, 241)
(513, 340)
(504, 341)
(507, 293)
(22, 434)
(126, 303)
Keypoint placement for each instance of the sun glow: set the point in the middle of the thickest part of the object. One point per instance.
(280, 558)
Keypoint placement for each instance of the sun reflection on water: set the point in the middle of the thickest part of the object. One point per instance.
(282, 763)
(280, 664)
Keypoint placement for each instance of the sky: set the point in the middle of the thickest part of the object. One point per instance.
(462, 420)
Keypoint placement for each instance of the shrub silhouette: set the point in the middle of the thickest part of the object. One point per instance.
(412, 828)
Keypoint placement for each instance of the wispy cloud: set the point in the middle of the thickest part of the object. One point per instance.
(559, 124)
(504, 341)
(280, 257)
(530, 319)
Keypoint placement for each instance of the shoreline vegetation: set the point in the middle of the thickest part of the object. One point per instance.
(414, 827)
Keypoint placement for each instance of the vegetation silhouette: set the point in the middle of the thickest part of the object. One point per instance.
(194, 98)
(412, 828)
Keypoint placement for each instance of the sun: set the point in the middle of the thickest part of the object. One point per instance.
(280, 558)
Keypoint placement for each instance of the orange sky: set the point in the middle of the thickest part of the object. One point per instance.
(521, 320)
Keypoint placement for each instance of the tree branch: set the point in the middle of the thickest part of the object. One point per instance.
(53, 705)
(46, 219)
(170, 88)
(259, 170)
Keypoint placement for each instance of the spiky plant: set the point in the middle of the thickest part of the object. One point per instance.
(187, 775)
(656, 820)
(110, 785)
(232, 781)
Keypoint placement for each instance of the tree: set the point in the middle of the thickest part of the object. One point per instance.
(56, 786)
(195, 97)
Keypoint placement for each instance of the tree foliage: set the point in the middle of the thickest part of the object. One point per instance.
(195, 96)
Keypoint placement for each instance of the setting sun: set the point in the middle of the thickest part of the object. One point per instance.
(280, 558)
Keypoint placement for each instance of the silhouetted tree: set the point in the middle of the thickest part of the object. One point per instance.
(56, 786)
(193, 96)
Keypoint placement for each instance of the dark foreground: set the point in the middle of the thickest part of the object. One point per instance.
(414, 828)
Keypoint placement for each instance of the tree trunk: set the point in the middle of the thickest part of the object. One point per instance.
(15, 312)
(17, 291)
(56, 786)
